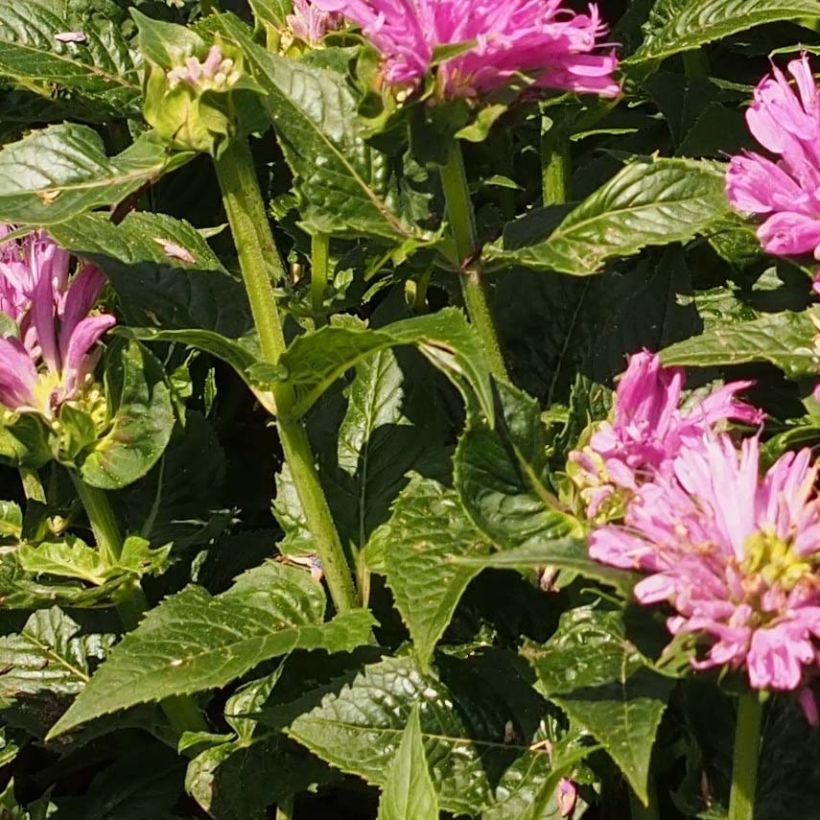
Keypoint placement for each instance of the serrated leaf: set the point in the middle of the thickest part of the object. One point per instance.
(566, 553)
(787, 340)
(140, 424)
(315, 360)
(100, 68)
(193, 641)
(61, 171)
(163, 271)
(409, 793)
(681, 25)
(649, 202)
(346, 186)
(426, 533)
(464, 718)
(591, 670)
(502, 476)
(48, 654)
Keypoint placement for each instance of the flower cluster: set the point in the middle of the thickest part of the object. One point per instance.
(540, 38)
(310, 23)
(736, 554)
(215, 72)
(786, 121)
(648, 430)
(49, 361)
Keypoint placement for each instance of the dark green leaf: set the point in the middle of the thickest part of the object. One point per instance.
(427, 532)
(649, 202)
(61, 171)
(787, 340)
(141, 419)
(193, 641)
(591, 670)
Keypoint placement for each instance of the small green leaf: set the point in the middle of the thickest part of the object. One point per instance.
(427, 532)
(649, 202)
(193, 641)
(141, 419)
(502, 476)
(591, 670)
(787, 340)
(49, 655)
(409, 793)
(565, 553)
(681, 25)
(58, 172)
(11, 520)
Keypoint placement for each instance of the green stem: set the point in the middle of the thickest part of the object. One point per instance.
(319, 270)
(555, 167)
(258, 260)
(181, 710)
(102, 519)
(32, 486)
(746, 753)
(473, 287)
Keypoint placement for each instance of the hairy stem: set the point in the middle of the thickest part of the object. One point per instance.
(473, 287)
(746, 753)
(180, 710)
(260, 262)
(319, 271)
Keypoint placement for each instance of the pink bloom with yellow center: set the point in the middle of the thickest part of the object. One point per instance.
(54, 354)
(785, 120)
(649, 428)
(554, 45)
(735, 554)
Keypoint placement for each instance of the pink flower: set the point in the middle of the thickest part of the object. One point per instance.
(567, 797)
(541, 38)
(786, 122)
(735, 554)
(309, 23)
(649, 428)
(54, 354)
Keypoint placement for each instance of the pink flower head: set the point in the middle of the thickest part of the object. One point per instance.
(649, 428)
(310, 23)
(567, 797)
(785, 120)
(735, 554)
(558, 48)
(54, 354)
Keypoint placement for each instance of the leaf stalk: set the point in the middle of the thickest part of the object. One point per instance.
(746, 754)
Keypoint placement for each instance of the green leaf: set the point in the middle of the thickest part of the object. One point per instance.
(49, 655)
(390, 427)
(100, 70)
(426, 533)
(566, 553)
(465, 715)
(649, 202)
(193, 641)
(787, 340)
(591, 670)
(141, 419)
(344, 184)
(163, 271)
(315, 360)
(502, 476)
(681, 25)
(408, 793)
(11, 520)
(61, 171)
